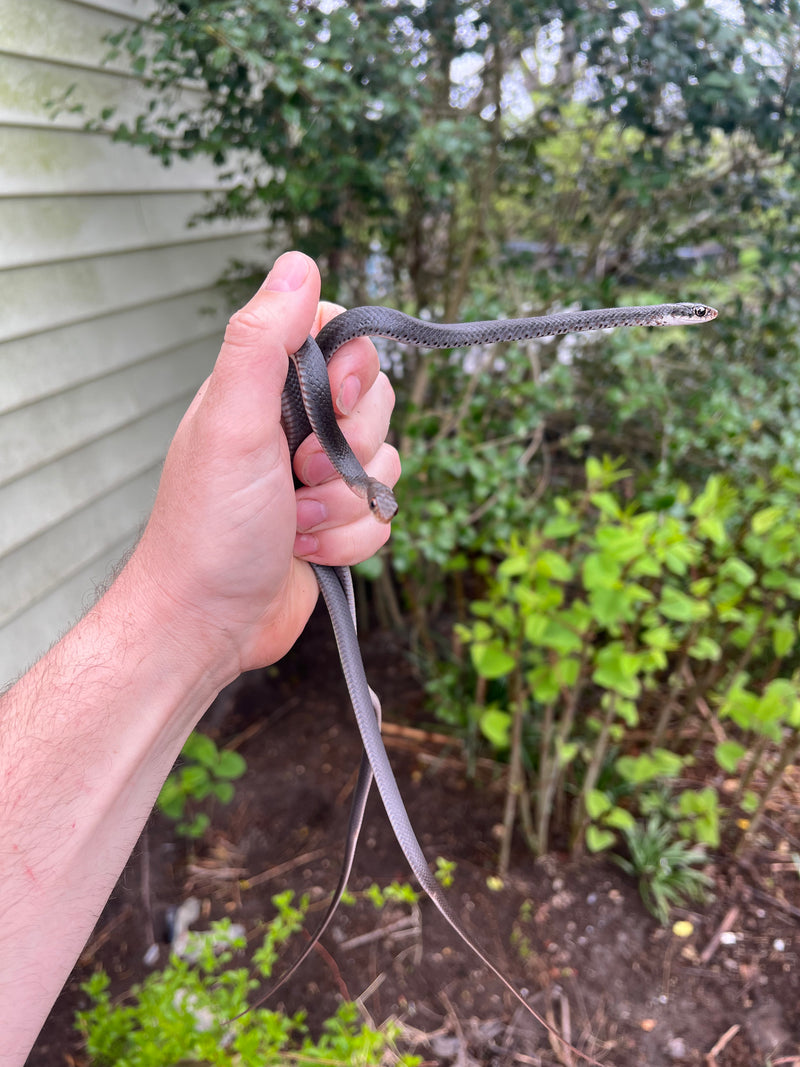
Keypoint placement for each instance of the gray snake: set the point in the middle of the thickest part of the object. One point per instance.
(307, 407)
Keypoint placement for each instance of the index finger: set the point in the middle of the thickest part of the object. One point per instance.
(353, 369)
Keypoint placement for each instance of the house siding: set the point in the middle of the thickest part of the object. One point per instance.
(109, 318)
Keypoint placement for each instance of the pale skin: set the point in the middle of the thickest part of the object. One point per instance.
(218, 584)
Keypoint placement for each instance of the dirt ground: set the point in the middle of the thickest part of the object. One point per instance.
(575, 935)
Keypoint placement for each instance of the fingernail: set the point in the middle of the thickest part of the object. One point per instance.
(310, 513)
(288, 273)
(305, 545)
(316, 469)
(349, 394)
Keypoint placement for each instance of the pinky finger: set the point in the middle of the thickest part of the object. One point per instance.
(343, 546)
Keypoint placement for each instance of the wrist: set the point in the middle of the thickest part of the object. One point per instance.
(179, 641)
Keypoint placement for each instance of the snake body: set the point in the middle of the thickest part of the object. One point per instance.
(307, 402)
(307, 407)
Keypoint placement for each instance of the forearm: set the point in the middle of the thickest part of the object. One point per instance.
(216, 586)
(87, 738)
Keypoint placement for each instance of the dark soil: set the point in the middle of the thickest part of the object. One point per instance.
(574, 934)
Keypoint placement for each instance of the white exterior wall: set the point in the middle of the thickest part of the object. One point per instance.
(105, 328)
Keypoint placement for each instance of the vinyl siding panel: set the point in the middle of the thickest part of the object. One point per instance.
(109, 318)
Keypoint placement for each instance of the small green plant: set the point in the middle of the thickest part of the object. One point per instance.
(667, 867)
(445, 871)
(393, 893)
(206, 771)
(520, 941)
(188, 1012)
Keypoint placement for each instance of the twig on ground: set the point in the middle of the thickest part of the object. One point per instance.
(784, 905)
(730, 918)
(334, 969)
(282, 868)
(560, 1038)
(730, 1033)
(97, 942)
(462, 1056)
(406, 925)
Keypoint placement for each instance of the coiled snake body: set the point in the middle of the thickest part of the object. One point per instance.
(307, 406)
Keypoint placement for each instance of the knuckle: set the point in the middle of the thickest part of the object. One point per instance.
(386, 388)
(390, 464)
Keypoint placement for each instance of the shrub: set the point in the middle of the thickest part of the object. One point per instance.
(614, 644)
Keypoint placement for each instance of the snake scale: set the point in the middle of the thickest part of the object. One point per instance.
(308, 407)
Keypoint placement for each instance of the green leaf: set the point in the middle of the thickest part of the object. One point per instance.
(560, 638)
(200, 748)
(783, 635)
(223, 791)
(705, 648)
(627, 711)
(172, 799)
(566, 751)
(513, 566)
(544, 683)
(552, 565)
(620, 543)
(230, 764)
(535, 627)
(712, 527)
(765, 519)
(659, 637)
(495, 726)
(598, 839)
(195, 780)
(738, 571)
(491, 659)
(617, 669)
(560, 526)
(606, 503)
(196, 828)
(597, 803)
(649, 766)
(728, 754)
(619, 819)
(677, 605)
(598, 572)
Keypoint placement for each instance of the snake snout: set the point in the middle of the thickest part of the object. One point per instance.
(381, 500)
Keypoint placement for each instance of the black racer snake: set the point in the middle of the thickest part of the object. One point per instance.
(307, 407)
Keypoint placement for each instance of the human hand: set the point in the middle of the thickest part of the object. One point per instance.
(227, 529)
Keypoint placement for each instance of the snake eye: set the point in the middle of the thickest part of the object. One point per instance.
(373, 504)
(699, 311)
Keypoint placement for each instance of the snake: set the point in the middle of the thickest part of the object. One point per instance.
(307, 407)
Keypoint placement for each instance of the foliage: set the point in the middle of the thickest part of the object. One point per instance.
(334, 119)
(481, 159)
(188, 1012)
(445, 871)
(393, 893)
(447, 136)
(667, 868)
(206, 771)
(606, 630)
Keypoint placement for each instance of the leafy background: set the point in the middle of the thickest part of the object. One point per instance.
(598, 550)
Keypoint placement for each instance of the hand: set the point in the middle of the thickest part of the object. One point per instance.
(227, 529)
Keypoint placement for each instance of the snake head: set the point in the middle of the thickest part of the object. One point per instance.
(381, 500)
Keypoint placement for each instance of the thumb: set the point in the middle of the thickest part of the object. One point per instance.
(250, 371)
